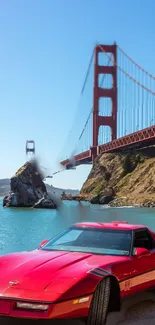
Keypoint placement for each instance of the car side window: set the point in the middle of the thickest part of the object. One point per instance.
(143, 239)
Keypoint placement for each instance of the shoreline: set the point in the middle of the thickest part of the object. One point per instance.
(116, 202)
(139, 202)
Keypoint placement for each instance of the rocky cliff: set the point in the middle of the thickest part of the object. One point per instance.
(122, 179)
(28, 189)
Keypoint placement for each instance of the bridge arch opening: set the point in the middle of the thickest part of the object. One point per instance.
(105, 106)
(105, 59)
(104, 135)
(30, 147)
(105, 81)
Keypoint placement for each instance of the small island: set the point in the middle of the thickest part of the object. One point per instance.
(28, 189)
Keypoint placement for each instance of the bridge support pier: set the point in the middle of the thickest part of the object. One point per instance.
(98, 120)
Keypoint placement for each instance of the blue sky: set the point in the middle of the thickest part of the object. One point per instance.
(45, 50)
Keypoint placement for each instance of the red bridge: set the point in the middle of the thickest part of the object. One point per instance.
(122, 102)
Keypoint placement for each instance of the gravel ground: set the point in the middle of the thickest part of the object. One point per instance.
(141, 314)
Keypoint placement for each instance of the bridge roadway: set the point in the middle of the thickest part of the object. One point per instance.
(139, 139)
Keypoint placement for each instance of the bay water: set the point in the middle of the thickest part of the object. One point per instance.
(24, 229)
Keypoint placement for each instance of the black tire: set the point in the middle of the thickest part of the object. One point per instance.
(99, 305)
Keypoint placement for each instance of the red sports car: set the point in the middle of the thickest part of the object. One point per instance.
(82, 273)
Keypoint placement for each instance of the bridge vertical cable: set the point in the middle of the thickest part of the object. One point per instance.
(136, 96)
(136, 102)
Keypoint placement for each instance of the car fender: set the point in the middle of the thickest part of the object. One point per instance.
(86, 286)
(115, 292)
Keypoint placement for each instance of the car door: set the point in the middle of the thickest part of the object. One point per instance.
(137, 272)
(143, 266)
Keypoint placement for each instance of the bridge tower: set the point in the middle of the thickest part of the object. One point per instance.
(99, 92)
(30, 147)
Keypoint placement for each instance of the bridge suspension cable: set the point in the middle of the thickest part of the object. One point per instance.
(73, 129)
(87, 73)
(141, 68)
(127, 74)
(135, 95)
(91, 111)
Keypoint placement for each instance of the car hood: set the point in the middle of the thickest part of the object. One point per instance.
(38, 269)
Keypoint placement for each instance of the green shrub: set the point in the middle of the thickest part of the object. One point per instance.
(100, 186)
(131, 161)
(127, 164)
(107, 176)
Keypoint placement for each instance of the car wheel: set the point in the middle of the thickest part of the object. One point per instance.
(99, 304)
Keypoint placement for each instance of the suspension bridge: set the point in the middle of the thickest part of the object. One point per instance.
(117, 104)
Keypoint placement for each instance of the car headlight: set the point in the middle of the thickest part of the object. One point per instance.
(26, 305)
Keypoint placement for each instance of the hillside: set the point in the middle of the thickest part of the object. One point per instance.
(128, 178)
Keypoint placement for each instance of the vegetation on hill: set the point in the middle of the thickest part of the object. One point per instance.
(126, 178)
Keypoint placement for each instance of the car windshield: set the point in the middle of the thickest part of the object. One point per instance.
(92, 240)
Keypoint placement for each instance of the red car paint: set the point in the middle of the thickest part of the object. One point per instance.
(60, 279)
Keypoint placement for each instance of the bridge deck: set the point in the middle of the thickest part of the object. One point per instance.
(137, 139)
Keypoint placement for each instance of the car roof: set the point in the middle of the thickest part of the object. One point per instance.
(122, 225)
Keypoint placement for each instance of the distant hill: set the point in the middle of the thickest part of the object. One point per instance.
(5, 188)
(5, 181)
(58, 191)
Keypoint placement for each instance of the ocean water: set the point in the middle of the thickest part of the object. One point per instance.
(24, 229)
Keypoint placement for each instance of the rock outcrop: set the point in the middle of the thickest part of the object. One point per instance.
(120, 179)
(45, 203)
(28, 189)
(105, 197)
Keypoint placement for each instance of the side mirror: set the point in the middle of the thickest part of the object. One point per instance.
(140, 251)
(43, 243)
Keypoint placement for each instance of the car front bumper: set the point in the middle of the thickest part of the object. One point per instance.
(71, 309)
